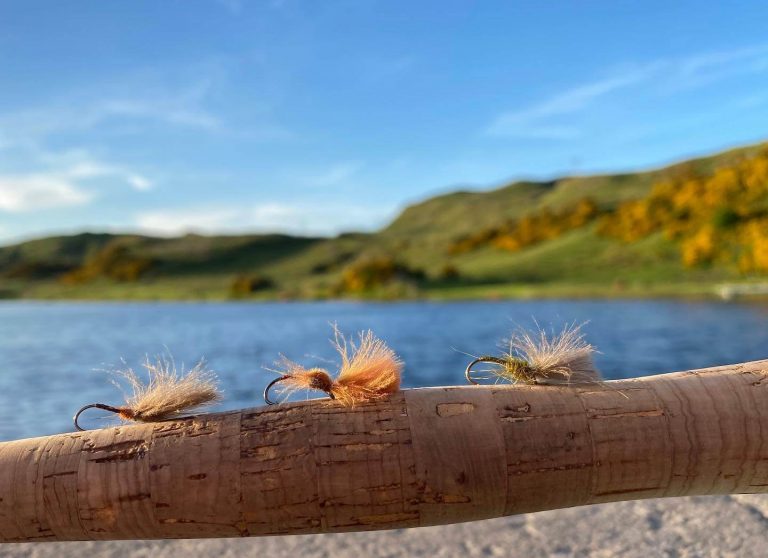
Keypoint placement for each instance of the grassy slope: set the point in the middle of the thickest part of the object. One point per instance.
(459, 213)
(580, 263)
(423, 231)
(198, 267)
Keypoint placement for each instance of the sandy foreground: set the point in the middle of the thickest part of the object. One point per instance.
(700, 526)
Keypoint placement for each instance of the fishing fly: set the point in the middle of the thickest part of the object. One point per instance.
(167, 394)
(541, 358)
(369, 370)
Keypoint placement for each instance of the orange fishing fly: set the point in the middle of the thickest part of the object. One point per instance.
(369, 370)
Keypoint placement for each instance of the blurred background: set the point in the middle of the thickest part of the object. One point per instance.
(602, 162)
(302, 150)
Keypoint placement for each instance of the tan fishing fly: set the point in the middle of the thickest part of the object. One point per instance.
(167, 394)
(369, 370)
(541, 358)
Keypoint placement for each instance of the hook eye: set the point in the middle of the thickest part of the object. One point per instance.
(101, 406)
(486, 358)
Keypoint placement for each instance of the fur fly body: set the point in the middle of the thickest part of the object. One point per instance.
(167, 393)
(563, 358)
(369, 370)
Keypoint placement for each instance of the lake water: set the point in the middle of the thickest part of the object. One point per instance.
(53, 356)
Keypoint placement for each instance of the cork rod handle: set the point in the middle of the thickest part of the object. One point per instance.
(421, 457)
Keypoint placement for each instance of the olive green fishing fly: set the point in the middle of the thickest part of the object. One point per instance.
(539, 358)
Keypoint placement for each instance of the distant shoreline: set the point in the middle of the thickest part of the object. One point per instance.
(500, 292)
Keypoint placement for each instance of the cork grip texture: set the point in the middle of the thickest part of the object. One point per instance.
(420, 457)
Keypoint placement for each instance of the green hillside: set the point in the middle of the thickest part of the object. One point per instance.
(458, 213)
(413, 256)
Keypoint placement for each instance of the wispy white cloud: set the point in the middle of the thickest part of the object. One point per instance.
(139, 182)
(536, 131)
(61, 179)
(178, 112)
(695, 71)
(176, 221)
(335, 175)
(308, 219)
(534, 120)
(549, 119)
(181, 108)
(23, 193)
(89, 168)
(142, 103)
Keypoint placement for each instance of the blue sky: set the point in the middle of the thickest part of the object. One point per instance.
(318, 117)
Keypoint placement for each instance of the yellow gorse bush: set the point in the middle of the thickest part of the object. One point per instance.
(755, 257)
(368, 273)
(115, 261)
(722, 217)
(531, 229)
(719, 218)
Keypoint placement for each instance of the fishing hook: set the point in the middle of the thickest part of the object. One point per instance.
(101, 406)
(268, 401)
(478, 360)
